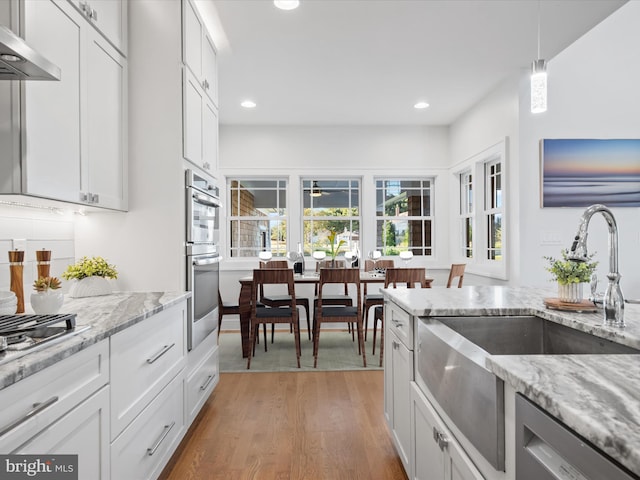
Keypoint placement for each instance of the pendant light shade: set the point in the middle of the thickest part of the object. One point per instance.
(539, 86)
(315, 190)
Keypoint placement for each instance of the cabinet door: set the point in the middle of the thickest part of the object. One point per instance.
(109, 18)
(52, 117)
(210, 69)
(428, 459)
(209, 137)
(193, 32)
(402, 361)
(105, 174)
(460, 465)
(84, 432)
(193, 104)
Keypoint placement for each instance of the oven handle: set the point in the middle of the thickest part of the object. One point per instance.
(207, 260)
(205, 199)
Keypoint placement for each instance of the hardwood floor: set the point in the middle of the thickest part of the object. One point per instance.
(290, 426)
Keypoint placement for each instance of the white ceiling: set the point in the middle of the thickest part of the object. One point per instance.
(367, 62)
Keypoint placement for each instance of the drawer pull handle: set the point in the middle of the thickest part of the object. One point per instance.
(164, 350)
(165, 432)
(397, 323)
(207, 382)
(37, 408)
(396, 345)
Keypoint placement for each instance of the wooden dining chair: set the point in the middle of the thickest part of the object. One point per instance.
(457, 271)
(409, 277)
(277, 300)
(333, 299)
(330, 312)
(372, 299)
(265, 314)
(224, 309)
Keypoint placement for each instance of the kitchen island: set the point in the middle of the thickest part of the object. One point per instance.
(596, 396)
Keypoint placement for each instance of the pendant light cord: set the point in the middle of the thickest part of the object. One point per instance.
(538, 29)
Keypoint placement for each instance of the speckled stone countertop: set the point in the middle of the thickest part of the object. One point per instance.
(106, 315)
(598, 396)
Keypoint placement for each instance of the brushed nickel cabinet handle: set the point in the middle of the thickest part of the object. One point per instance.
(37, 408)
(164, 350)
(207, 382)
(163, 435)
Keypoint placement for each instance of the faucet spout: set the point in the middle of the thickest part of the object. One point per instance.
(613, 301)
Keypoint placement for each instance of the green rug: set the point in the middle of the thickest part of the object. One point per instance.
(337, 352)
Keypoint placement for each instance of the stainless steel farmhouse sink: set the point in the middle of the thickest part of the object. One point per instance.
(451, 363)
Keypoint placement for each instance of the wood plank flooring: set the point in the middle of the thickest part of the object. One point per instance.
(290, 426)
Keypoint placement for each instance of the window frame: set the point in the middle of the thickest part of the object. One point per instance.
(422, 218)
(231, 218)
(467, 212)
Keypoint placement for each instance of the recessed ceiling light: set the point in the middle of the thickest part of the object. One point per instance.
(421, 105)
(248, 104)
(286, 4)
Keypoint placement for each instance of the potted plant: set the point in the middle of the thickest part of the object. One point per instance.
(570, 275)
(90, 277)
(46, 300)
(334, 248)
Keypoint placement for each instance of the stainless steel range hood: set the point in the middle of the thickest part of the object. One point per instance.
(18, 61)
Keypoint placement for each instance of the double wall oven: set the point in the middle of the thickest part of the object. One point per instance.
(203, 258)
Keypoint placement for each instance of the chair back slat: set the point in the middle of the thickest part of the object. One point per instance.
(385, 263)
(457, 270)
(272, 276)
(346, 276)
(274, 264)
(411, 277)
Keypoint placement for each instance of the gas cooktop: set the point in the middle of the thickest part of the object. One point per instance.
(21, 334)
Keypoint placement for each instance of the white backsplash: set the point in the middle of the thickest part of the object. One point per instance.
(39, 230)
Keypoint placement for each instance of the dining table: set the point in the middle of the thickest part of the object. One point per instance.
(309, 278)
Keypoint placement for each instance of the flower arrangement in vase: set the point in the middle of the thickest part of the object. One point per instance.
(570, 275)
(334, 248)
(46, 300)
(90, 275)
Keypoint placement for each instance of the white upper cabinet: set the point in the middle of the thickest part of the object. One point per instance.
(109, 17)
(75, 129)
(199, 52)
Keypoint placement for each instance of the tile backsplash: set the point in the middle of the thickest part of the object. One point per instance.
(34, 230)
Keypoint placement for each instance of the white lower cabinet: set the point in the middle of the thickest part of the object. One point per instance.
(83, 432)
(145, 446)
(398, 374)
(435, 453)
(203, 375)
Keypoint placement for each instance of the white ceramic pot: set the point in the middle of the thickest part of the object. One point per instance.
(570, 293)
(90, 287)
(48, 302)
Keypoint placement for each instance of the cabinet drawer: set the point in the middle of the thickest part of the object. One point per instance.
(144, 358)
(399, 322)
(52, 392)
(147, 444)
(201, 382)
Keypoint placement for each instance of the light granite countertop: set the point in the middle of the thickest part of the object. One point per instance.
(105, 315)
(598, 396)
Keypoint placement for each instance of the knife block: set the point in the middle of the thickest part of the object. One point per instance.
(16, 270)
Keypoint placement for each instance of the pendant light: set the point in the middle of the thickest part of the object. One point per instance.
(539, 79)
(315, 190)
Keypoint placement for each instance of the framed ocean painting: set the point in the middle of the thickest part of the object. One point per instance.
(581, 172)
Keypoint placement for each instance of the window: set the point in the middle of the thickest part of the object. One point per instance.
(258, 216)
(404, 219)
(493, 209)
(466, 213)
(330, 206)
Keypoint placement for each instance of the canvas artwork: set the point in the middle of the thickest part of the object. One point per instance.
(582, 172)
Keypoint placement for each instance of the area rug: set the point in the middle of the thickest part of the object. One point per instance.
(337, 352)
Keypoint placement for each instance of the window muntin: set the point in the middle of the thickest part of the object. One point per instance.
(258, 216)
(330, 205)
(466, 213)
(494, 209)
(403, 216)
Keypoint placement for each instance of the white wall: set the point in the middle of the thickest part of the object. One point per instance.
(147, 243)
(363, 152)
(593, 93)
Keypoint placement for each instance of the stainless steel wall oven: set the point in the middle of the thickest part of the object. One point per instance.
(203, 259)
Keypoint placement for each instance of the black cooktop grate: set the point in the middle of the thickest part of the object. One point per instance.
(16, 323)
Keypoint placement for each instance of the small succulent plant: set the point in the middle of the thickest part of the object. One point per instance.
(44, 284)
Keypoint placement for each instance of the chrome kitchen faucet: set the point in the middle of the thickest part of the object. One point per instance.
(613, 301)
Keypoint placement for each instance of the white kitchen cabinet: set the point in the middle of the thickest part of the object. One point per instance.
(75, 129)
(200, 125)
(144, 359)
(398, 375)
(62, 409)
(199, 52)
(83, 432)
(435, 453)
(203, 375)
(109, 17)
